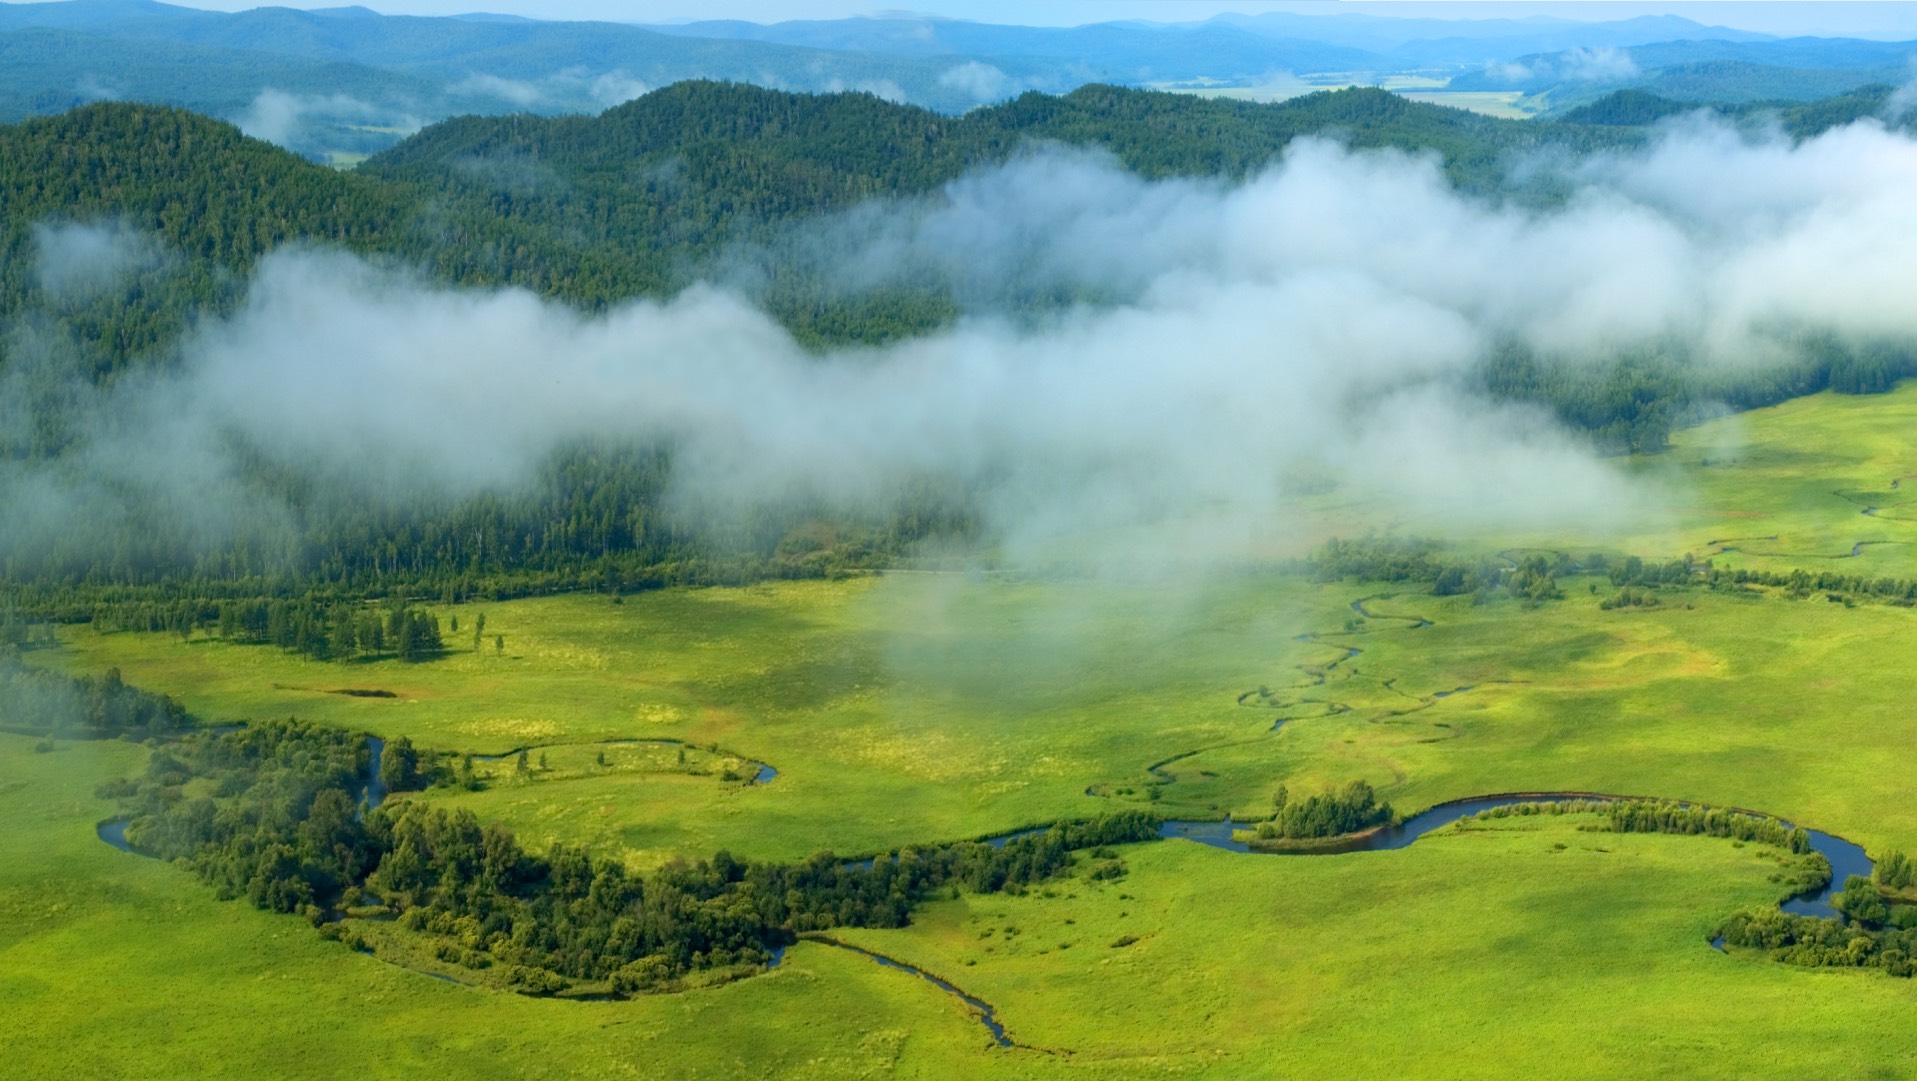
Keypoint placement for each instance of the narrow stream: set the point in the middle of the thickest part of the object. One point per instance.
(980, 1008)
(374, 793)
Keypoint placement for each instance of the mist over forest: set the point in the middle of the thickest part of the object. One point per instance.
(1164, 360)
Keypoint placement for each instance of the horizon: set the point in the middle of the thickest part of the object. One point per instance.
(1882, 19)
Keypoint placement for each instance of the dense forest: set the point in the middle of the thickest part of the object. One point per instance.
(694, 181)
(275, 813)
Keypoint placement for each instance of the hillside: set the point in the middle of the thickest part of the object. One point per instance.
(695, 182)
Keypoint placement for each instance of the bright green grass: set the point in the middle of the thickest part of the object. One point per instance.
(1503, 104)
(1490, 953)
(1487, 953)
(908, 709)
(1802, 472)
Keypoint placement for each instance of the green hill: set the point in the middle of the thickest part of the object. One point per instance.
(643, 200)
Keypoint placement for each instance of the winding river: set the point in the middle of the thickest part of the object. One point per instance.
(1845, 858)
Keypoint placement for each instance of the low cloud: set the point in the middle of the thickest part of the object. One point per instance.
(291, 120)
(565, 89)
(1600, 65)
(1325, 318)
(75, 261)
(979, 81)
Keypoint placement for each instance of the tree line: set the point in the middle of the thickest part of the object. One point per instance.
(37, 702)
(1392, 558)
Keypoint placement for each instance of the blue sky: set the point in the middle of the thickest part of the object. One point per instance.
(1872, 18)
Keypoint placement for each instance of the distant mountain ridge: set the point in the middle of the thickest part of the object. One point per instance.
(340, 83)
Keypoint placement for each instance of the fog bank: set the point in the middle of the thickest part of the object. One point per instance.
(1322, 319)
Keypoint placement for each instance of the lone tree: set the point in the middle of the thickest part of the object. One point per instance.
(399, 766)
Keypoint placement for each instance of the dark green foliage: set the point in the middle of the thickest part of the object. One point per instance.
(696, 180)
(1392, 558)
(281, 830)
(281, 827)
(1861, 901)
(1629, 597)
(1632, 402)
(399, 766)
(1625, 108)
(42, 702)
(1637, 816)
(1351, 809)
(1822, 943)
(1884, 935)
(1389, 558)
(214, 200)
(316, 629)
(588, 918)
(1896, 871)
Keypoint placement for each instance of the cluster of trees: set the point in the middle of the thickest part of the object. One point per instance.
(1823, 943)
(1633, 401)
(333, 632)
(19, 633)
(1534, 579)
(1390, 558)
(279, 819)
(1689, 571)
(1880, 929)
(1634, 571)
(316, 626)
(1351, 809)
(1802, 583)
(577, 916)
(1895, 871)
(36, 701)
(1642, 816)
(1629, 597)
(1374, 558)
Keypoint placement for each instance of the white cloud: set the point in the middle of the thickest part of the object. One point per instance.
(1326, 315)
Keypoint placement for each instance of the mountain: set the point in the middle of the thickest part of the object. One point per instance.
(1108, 52)
(337, 84)
(1466, 42)
(698, 181)
(1798, 69)
(408, 70)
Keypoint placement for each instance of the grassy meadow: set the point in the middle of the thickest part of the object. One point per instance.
(917, 707)
(1522, 947)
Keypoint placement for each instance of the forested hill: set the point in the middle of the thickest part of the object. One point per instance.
(640, 201)
(650, 195)
(688, 162)
(634, 202)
